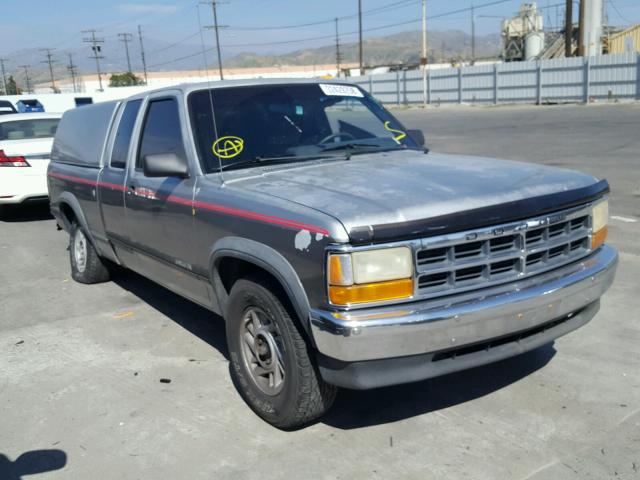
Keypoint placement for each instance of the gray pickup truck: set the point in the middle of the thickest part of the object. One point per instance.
(338, 249)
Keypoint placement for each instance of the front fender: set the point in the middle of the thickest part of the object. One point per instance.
(269, 260)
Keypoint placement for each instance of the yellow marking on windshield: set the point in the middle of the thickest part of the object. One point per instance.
(397, 138)
(228, 147)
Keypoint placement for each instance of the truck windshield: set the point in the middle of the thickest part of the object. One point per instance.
(289, 121)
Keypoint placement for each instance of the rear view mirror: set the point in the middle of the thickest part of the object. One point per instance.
(417, 136)
(165, 165)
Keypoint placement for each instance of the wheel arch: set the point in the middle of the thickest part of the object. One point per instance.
(261, 257)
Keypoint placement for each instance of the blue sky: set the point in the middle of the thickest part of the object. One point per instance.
(57, 24)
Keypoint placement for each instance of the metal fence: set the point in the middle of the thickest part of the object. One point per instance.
(577, 79)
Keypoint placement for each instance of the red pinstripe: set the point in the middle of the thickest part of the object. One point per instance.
(236, 212)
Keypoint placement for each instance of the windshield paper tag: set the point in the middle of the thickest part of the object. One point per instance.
(340, 90)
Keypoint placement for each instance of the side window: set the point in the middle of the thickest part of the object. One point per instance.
(123, 135)
(161, 132)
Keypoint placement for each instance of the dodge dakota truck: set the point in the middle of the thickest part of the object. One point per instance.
(338, 249)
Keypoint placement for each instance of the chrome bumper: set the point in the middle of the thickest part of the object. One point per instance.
(443, 324)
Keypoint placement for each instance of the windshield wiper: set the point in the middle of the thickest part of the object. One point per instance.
(364, 147)
(276, 160)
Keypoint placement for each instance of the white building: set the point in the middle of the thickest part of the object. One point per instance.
(90, 83)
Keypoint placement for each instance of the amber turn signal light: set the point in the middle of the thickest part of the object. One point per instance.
(599, 237)
(371, 292)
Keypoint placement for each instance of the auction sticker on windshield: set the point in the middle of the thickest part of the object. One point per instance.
(340, 90)
(228, 147)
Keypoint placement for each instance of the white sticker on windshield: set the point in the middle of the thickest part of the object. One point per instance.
(340, 90)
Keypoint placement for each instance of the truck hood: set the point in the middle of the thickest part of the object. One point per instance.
(409, 193)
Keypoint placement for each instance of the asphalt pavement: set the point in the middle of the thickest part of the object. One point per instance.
(126, 380)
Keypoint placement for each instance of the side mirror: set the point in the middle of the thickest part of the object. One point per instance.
(165, 165)
(417, 136)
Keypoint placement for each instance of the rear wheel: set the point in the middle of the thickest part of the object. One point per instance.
(271, 363)
(86, 265)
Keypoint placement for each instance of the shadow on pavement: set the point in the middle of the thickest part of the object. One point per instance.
(198, 320)
(357, 409)
(29, 212)
(32, 463)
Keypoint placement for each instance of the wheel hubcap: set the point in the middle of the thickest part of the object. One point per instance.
(80, 250)
(261, 351)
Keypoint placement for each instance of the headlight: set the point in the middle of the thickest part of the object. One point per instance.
(599, 223)
(370, 276)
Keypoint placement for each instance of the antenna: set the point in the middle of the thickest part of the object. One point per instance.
(338, 55)
(213, 115)
(126, 38)
(96, 47)
(73, 70)
(26, 77)
(144, 63)
(216, 27)
(360, 37)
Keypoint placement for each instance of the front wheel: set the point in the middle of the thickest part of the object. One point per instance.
(86, 265)
(271, 363)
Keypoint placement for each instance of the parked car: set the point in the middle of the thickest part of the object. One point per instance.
(25, 148)
(6, 107)
(340, 252)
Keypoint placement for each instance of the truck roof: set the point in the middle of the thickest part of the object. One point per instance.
(190, 87)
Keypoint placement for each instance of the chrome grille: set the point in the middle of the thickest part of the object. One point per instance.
(478, 258)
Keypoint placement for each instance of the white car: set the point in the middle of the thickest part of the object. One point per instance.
(25, 149)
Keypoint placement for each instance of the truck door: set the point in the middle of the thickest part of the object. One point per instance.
(113, 177)
(159, 209)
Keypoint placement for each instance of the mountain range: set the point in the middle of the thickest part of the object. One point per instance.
(398, 48)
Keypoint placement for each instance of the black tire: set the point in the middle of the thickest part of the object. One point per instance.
(303, 395)
(88, 268)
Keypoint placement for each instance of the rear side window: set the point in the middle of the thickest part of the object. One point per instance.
(123, 135)
(161, 132)
(26, 129)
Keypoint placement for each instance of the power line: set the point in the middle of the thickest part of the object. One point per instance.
(4, 78)
(217, 28)
(144, 62)
(382, 9)
(96, 47)
(325, 37)
(49, 61)
(73, 70)
(126, 38)
(26, 77)
(175, 44)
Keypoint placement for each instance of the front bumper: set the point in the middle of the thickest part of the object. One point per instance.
(558, 301)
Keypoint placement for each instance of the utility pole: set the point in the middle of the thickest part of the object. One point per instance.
(96, 48)
(26, 77)
(338, 56)
(73, 70)
(423, 57)
(360, 56)
(568, 30)
(216, 27)
(49, 61)
(581, 35)
(126, 38)
(4, 77)
(473, 35)
(144, 63)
